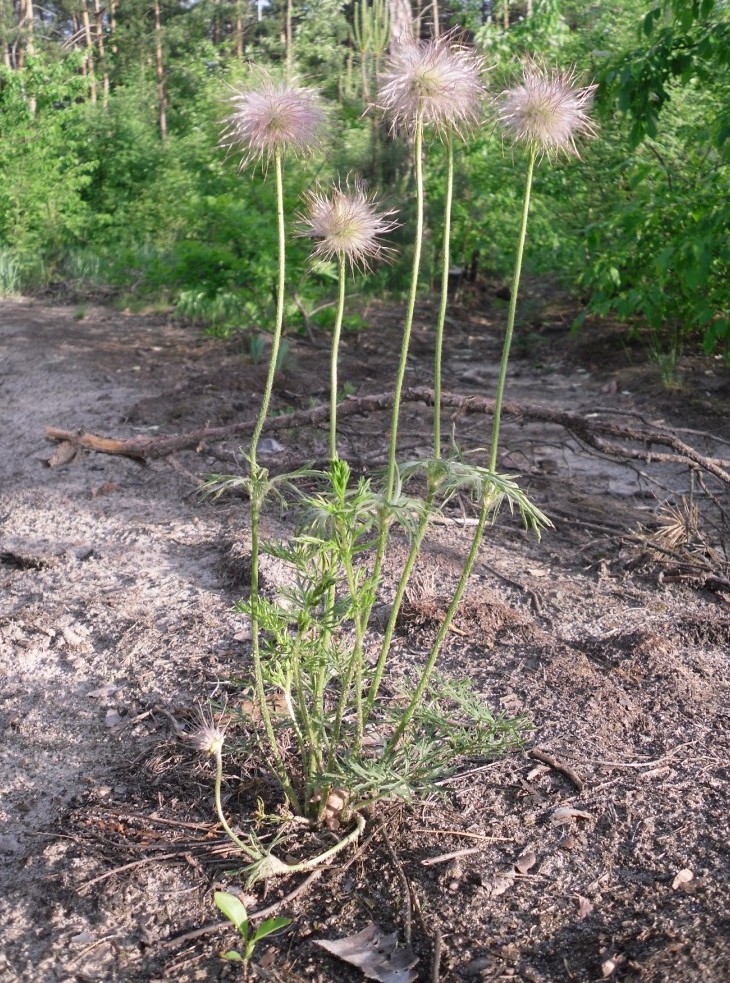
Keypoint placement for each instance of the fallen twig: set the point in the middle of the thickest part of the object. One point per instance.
(537, 755)
(436, 957)
(453, 855)
(405, 886)
(591, 431)
(254, 915)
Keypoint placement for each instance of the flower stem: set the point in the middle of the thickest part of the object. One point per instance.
(257, 498)
(280, 287)
(219, 808)
(445, 625)
(486, 499)
(398, 601)
(444, 297)
(333, 359)
(405, 344)
(270, 865)
(512, 310)
(418, 244)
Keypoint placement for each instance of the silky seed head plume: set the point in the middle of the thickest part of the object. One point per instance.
(439, 81)
(208, 738)
(547, 110)
(274, 117)
(346, 224)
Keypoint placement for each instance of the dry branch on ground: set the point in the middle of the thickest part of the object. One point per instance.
(616, 440)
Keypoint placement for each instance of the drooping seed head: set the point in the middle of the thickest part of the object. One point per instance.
(438, 81)
(346, 223)
(547, 110)
(274, 117)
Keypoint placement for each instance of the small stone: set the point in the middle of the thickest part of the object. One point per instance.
(475, 967)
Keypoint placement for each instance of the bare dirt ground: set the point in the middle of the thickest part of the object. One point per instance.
(600, 852)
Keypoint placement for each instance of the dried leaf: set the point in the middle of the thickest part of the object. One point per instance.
(103, 692)
(112, 718)
(682, 878)
(526, 860)
(585, 908)
(564, 814)
(106, 489)
(62, 454)
(611, 963)
(268, 445)
(375, 954)
(501, 882)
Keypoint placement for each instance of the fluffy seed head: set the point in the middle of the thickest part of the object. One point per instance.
(547, 110)
(346, 223)
(274, 117)
(439, 80)
(208, 737)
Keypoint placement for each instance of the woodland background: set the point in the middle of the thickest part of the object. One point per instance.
(113, 183)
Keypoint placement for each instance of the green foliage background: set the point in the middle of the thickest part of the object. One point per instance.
(92, 198)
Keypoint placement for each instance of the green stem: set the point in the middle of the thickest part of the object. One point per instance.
(398, 601)
(446, 624)
(354, 668)
(418, 151)
(279, 766)
(405, 344)
(333, 359)
(357, 652)
(486, 498)
(512, 310)
(444, 297)
(219, 808)
(256, 497)
(280, 287)
(270, 866)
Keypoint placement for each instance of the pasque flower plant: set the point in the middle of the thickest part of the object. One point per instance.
(310, 644)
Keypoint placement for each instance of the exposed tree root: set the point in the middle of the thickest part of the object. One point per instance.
(621, 443)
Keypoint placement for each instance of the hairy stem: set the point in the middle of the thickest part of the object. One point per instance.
(405, 344)
(486, 498)
(499, 396)
(444, 296)
(446, 624)
(256, 497)
(333, 359)
(279, 323)
(398, 601)
(271, 866)
(219, 808)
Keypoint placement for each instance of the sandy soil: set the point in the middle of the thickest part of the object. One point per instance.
(116, 619)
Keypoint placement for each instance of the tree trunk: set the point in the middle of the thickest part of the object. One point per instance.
(113, 23)
(6, 31)
(30, 46)
(89, 52)
(161, 98)
(287, 32)
(529, 8)
(436, 18)
(99, 17)
(505, 14)
(401, 23)
(239, 29)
